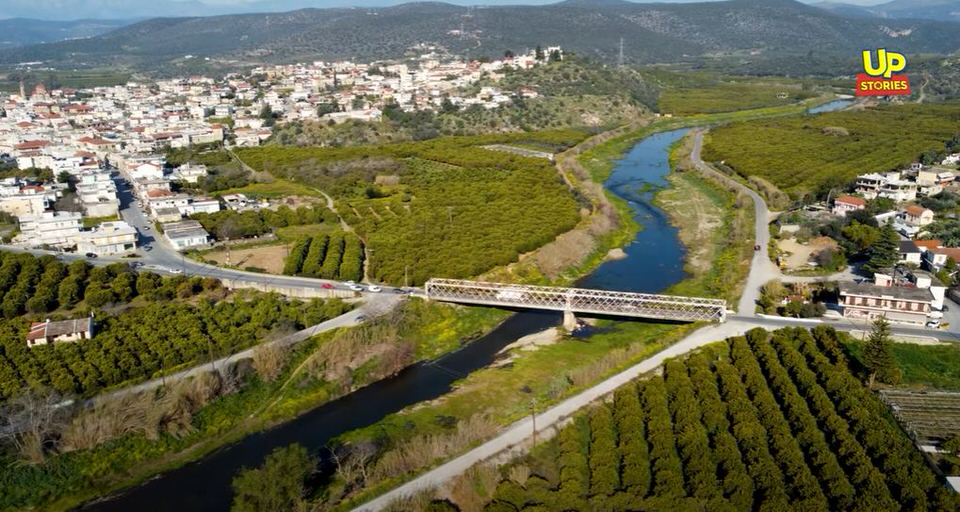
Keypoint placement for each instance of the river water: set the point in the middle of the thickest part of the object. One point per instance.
(654, 262)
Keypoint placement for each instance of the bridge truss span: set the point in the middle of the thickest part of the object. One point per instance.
(578, 300)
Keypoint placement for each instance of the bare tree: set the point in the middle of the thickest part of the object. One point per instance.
(30, 420)
(353, 462)
(269, 360)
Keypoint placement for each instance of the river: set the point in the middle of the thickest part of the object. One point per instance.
(654, 262)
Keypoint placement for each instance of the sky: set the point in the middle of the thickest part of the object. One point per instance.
(129, 9)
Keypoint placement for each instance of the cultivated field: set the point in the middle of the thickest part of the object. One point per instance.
(801, 154)
(762, 422)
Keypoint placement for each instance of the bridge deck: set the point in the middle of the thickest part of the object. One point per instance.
(578, 300)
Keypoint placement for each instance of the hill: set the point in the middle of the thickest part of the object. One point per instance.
(651, 33)
(23, 31)
(900, 9)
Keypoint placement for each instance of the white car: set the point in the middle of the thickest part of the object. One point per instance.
(175, 270)
(374, 288)
(355, 287)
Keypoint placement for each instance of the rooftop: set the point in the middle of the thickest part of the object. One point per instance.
(892, 292)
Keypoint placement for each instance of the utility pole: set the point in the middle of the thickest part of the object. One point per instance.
(533, 406)
(620, 56)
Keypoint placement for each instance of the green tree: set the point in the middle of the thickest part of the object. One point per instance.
(885, 252)
(862, 235)
(279, 484)
(878, 354)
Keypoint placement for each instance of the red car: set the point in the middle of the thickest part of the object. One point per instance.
(326, 286)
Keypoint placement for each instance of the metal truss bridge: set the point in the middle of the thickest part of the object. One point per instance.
(576, 300)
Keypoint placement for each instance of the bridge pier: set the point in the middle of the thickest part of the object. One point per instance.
(570, 321)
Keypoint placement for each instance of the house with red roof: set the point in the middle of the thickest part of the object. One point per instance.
(845, 204)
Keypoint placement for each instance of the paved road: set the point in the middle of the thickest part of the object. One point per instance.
(762, 269)
(516, 436)
(157, 255)
(369, 309)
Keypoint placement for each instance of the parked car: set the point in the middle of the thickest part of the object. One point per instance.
(374, 288)
(90, 255)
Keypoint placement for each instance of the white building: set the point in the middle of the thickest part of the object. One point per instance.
(200, 205)
(107, 239)
(50, 228)
(97, 193)
(186, 234)
(189, 173)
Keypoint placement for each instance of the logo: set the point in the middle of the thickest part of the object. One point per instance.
(879, 78)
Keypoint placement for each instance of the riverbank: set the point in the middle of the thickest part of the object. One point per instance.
(69, 479)
(547, 374)
(220, 423)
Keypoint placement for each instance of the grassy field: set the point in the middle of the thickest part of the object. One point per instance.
(803, 153)
(275, 189)
(293, 233)
(924, 366)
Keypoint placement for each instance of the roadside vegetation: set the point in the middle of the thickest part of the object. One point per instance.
(71, 455)
(769, 421)
(812, 154)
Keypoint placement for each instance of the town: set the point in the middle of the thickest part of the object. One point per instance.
(85, 170)
(422, 257)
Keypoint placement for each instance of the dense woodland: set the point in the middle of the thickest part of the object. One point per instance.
(802, 154)
(440, 208)
(338, 256)
(762, 422)
(144, 323)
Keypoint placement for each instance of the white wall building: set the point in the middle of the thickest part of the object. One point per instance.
(50, 228)
(107, 239)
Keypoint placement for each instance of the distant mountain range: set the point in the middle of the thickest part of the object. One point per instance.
(748, 29)
(20, 31)
(943, 10)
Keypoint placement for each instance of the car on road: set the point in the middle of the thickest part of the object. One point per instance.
(350, 283)
(374, 288)
(326, 286)
(175, 270)
(90, 255)
(355, 287)
(147, 248)
(146, 228)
